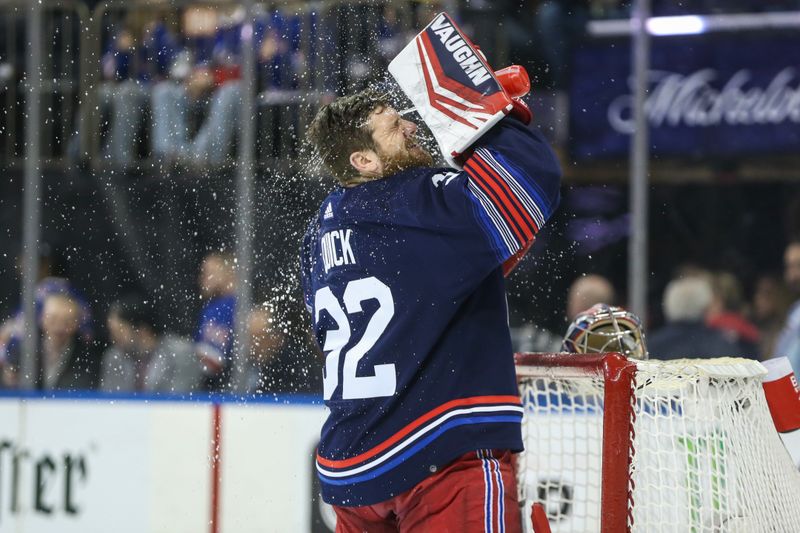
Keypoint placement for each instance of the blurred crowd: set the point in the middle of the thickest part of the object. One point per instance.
(705, 314)
(180, 87)
(167, 81)
(137, 353)
(171, 90)
(171, 84)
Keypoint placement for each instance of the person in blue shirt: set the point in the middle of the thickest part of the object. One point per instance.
(214, 336)
(788, 341)
(130, 65)
(403, 274)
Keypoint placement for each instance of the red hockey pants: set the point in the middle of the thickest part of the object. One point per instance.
(475, 493)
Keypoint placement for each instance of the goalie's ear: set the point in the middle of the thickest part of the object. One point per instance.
(366, 162)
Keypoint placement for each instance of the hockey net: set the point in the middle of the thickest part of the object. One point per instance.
(617, 445)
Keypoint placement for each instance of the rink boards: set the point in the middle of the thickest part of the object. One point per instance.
(91, 464)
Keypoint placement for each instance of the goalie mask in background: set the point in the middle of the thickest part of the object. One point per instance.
(604, 328)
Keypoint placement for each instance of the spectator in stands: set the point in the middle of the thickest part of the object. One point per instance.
(66, 360)
(278, 52)
(123, 97)
(141, 358)
(771, 300)
(726, 313)
(160, 49)
(212, 143)
(788, 343)
(282, 358)
(128, 72)
(51, 274)
(587, 291)
(214, 337)
(211, 89)
(686, 303)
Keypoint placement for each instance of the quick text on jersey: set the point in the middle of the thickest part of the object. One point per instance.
(336, 249)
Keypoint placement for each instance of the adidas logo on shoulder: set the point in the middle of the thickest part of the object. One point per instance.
(328, 212)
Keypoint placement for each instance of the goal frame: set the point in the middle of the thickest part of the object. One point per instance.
(619, 376)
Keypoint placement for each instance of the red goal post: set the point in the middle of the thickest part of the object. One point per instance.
(617, 374)
(616, 445)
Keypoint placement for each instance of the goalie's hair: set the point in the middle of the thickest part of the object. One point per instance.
(341, 128)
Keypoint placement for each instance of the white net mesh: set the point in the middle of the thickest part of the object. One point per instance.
(706, 456)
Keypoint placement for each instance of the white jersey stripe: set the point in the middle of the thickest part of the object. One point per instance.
(497, 219)
(489, 158)
(495, 215)
(415, 436)
(521, 193)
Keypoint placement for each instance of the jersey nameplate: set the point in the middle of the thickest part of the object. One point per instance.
(336, 249)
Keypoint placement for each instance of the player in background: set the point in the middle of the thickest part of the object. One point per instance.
(214, 337)
(403, 275)
(606, 328)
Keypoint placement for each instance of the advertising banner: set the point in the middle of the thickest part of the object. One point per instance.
(710, 95)
(96, 464)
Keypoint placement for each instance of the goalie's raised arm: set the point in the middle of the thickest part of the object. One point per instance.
(515, 178)
(493, 209)
(512, 175)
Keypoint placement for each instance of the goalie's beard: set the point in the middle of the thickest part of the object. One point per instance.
(412, 156)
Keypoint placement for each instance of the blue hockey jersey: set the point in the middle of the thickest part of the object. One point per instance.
(214, 336)
(403, 279)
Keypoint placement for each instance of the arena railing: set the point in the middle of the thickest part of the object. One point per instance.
(322, 48)
(62, 76)
(329, 47)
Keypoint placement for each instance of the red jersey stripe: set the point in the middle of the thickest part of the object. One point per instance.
(508, 178)
(526, 216)
(482, 181)
(475, 400)
(500, 199)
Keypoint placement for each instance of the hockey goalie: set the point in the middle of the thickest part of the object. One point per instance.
(403, 269)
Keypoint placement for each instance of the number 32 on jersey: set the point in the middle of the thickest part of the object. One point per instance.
(384, 380)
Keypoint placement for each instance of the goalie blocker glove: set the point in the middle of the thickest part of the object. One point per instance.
(453, 88)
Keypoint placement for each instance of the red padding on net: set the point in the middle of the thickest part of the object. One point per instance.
(783, 395)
